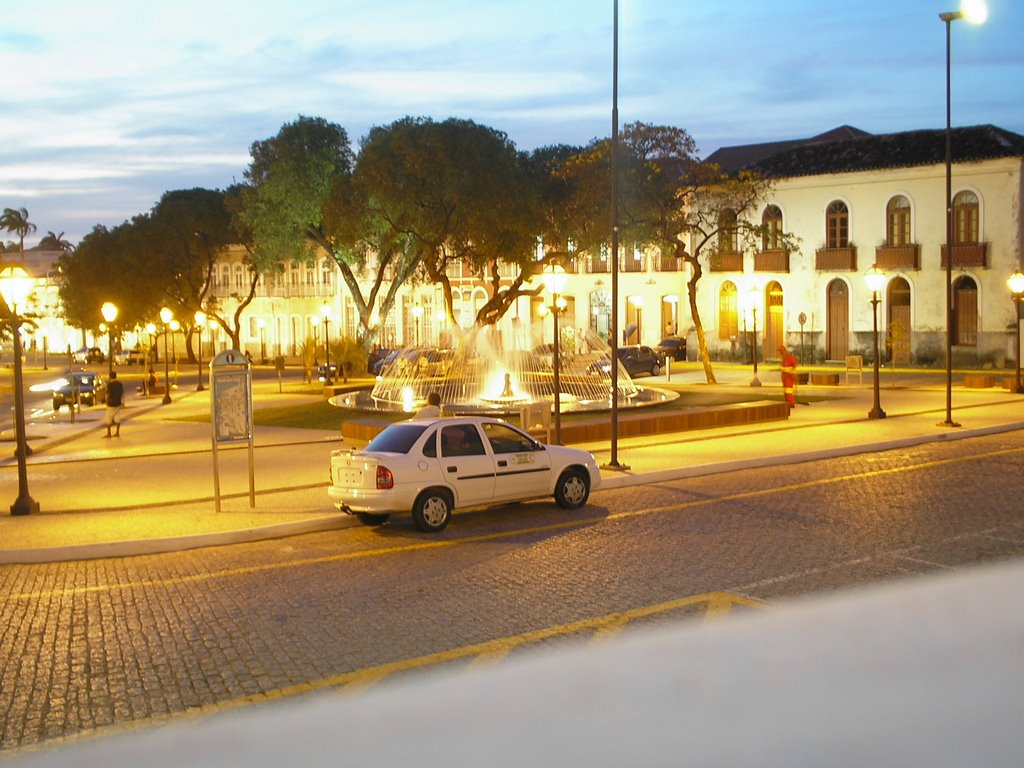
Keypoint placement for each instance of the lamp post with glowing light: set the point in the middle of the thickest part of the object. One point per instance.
(975, 12)
(166, 315)
(554, 280)
(15, 286)
(109, 312)
(200, 320)
(325, 311)
(417, 312)
(1016, 283)
(875, 278)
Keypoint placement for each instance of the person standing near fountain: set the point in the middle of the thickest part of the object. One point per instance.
(432, 409)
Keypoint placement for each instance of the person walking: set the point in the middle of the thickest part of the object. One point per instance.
(115, 401)
(788, 371)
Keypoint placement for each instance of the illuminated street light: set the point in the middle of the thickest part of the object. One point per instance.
(875, 278)
(1016, 283)
(554, 279)
(975, 12)
(753, 295)
(166, 315)
(417, 312)
(15, 286)
(200, 320)
(325, 310)
(109, 312)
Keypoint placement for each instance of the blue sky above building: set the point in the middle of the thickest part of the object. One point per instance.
(108, 105)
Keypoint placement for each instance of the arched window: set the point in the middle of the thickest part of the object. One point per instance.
(965, 218)
(772, 223)
(238, 276)
(728, 311)
(897, 227)
(837, 225)
(965, 312)
(728, 240)
(225, 276)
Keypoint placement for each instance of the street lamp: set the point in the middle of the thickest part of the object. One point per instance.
(1016, 283)
(752, 298)
(975, 12)
(15, 286)
(417, 312)
(875, 278)
(200, 320)
(325, 310)
(109, 312)
(554, 280)
(262, 325)
(166, 315)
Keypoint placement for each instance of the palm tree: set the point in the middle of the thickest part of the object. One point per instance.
(55, 242)
(16, 222)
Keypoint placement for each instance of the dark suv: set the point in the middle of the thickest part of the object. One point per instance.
(636, 359)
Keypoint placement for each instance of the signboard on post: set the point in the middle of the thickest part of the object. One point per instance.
(231, 411)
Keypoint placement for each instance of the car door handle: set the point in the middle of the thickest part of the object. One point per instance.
(453, 468)
(502, 463)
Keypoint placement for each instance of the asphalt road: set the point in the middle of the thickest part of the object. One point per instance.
(92, 647)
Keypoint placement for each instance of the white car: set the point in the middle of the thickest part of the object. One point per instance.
(433, 466)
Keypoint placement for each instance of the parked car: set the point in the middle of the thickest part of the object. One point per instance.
(82, 387)
(672, 346)
(375, 360)
(430, 467)
(129, 357)
(88, 355)
(635, 359)
(321, 372)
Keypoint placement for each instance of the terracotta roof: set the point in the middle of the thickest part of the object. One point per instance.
(892, 150)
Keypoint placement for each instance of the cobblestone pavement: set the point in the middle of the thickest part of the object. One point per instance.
(94, 646)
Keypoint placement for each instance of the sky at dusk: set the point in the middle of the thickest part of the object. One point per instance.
(107, 105)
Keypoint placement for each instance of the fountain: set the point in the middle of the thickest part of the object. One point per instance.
(489, 373)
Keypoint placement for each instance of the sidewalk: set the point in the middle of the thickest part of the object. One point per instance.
(100, 498)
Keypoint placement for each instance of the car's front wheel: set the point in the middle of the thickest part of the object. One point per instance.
(572, 489)
(371, 518)
(655, 369)
(56, 406)
(432, 511)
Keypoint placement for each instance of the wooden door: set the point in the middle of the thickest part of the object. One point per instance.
(837, 341)
(774, 332)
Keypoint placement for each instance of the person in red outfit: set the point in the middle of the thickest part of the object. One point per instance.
(788, 370)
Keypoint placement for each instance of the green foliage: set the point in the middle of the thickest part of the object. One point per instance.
(349, 355)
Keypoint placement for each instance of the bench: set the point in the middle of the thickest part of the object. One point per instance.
(825, 379)
(979, 381)
(854, 367)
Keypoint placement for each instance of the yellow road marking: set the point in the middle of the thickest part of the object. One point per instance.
(568, 524)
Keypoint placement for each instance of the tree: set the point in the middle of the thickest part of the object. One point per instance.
(16, 222)
(453, 192)
(55, 242)
(300, 201)
(671, 199)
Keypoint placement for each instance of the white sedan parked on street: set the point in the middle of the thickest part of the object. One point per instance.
(433, 466)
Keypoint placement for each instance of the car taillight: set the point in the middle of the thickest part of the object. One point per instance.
(384, 478)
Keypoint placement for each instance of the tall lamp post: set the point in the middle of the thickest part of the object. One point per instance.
(1016, 283)
(262, 325)
(325, 310)
(554, 280)
(875, 278)
(200, 320)
(975, 12)
(166, 315)
(15, 286)
(752, 297)
(109, 312)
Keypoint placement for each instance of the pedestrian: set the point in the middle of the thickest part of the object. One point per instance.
(788, 371)
(432, 409)
(115, 401)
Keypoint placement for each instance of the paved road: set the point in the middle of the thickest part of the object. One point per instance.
(93, 646)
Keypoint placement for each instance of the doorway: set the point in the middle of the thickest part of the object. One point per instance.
(837, 338)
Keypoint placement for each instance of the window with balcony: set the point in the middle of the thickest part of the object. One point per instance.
(771, 220)
(899, 251)
(968, 250)
(837, 225)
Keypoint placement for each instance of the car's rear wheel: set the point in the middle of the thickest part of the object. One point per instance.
(432, 511)
(371, 518)
(572, 489)
(655, 369)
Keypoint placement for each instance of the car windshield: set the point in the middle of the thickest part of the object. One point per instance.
(398, 438)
